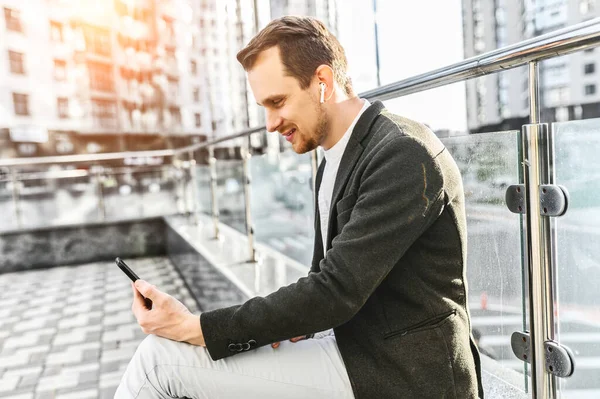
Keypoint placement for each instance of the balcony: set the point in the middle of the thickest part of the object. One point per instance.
(164, 210)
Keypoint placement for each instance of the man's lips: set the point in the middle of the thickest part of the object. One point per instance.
(290, 134)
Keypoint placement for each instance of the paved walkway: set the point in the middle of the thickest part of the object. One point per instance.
(68, 332)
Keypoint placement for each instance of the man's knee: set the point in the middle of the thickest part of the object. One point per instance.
(157, 350)
(153, 349)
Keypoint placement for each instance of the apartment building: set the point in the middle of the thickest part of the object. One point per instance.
(568, 85)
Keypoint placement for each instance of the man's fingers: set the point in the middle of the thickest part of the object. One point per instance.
(138, 299)
(295, 339)
(147, 290)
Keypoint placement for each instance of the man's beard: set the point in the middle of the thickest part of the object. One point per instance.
(310, 143)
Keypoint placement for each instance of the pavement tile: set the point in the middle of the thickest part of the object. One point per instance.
(72, 338)
(122, 333)
(8, 384)
(34, 324)
(51, 394)
(26, 339)
(17, 395)
(110, 379)
(83, 307)
(42, 310)
(89, 376)
(78, 320)
(108, 393)
(91, 355)
(109, 367)
(117, 354)
(122, 317)
(29, 381)
(23, 371)
(79, 394)
(76, 335)
(56, 382)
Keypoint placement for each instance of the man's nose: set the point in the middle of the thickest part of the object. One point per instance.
(273, 121)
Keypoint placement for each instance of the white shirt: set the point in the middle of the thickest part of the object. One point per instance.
(333, 156)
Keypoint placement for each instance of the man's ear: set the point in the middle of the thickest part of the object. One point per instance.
(324, 74)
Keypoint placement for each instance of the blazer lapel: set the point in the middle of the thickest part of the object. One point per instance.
(352, 154)
(318, 251)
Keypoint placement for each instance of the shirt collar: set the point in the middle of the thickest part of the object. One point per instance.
(335, 153)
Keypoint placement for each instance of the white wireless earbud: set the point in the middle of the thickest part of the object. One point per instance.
(323, 86)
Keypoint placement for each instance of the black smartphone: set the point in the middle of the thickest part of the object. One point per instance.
(132, 276)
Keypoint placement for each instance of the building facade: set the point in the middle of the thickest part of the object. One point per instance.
(568, 84)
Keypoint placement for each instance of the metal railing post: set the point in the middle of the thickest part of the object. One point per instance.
(246, 155)
(536, 168)
(194, 183)
(212, 162)
(100, 192)
(185, 187)
(15, 197)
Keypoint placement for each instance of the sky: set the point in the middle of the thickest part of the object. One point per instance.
(414, 38)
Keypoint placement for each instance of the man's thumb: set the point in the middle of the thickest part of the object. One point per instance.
(145, 288)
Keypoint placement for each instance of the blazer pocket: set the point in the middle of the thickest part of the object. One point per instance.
(430, 323)
(346, 203)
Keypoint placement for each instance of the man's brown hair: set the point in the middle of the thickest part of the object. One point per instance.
(304, 44)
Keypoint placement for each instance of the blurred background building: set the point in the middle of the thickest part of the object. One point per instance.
(86, 76)
(568, 85)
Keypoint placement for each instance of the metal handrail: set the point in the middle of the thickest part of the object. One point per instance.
(553, 44)
(70, 174)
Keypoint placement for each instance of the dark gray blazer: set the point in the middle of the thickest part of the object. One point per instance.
(393, 283)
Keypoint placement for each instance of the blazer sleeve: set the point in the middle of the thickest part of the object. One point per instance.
(400, 194)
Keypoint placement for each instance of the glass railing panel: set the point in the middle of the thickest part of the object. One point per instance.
(495, 269)
(8, 215)
(578, 274)
(230, 194)
(156, 191)
(203, 199)
(120, 194)
(37, 201)
(135, 193)
(75, 199)
(282, 203)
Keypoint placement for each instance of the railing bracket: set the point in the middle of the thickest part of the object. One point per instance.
(559, 359)
(554, 199)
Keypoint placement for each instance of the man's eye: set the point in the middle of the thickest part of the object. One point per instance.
(277, 102)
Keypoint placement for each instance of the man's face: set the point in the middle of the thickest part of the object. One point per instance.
(293, 112)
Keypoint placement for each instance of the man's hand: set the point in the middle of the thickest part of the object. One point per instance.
(276, 344)
(168, 317)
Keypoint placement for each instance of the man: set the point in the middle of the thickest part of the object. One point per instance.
(388, 271)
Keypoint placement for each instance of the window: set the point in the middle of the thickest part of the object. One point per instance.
(194, 67)
(97, 40)
(16, 62)
(586, 6)
(62, 104)
(175, 116)
(13, 20)
(196, 95)
(104, 113)
(56, 32)
(589, 68)
(21, 102)
(557, 95)
(198, 120)
(101, 76)
(60, 70)
(590, 90)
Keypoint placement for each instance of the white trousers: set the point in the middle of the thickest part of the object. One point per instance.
(308, 369)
